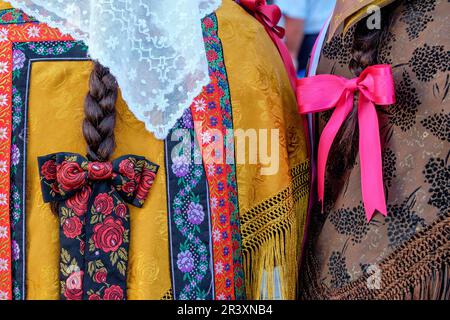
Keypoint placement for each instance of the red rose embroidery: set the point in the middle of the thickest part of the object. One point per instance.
(113, 293)
(100, 170)
(82, 246)
(108, 236)
(126, 168)
(100, 275)
(94, 297)
(104, 204)
(74, 286)
(79, 202)
(70, 176)
(48, 170)
(121, 210)
(129, 187)
(73, 294)
(72, 227)
(146, 182)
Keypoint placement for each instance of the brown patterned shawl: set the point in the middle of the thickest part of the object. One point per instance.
(407, 254)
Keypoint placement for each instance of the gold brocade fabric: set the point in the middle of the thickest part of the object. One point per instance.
(4, 5)
(261, 99)
(57, 91)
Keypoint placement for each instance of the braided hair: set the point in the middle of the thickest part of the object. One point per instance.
(100, 117)
(100, 114)
(345, 149)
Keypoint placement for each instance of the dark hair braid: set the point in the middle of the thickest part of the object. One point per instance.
(100, 114)
(100, 117)
(345, 149)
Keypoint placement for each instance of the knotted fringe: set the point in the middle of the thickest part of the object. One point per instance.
(272, 233)
(418, 269)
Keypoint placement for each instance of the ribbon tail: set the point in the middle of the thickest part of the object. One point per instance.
(343, 108)
(370, 157)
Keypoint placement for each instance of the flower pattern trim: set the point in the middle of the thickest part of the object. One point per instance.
(94, 219)
(22, 31)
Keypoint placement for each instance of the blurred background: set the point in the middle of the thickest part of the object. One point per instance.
(303, 20)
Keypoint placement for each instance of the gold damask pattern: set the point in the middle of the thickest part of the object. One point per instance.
(271, 231)
(262, 98)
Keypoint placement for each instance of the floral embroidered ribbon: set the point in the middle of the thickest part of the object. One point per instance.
(269, 16)
(375, 85)
(94, 219)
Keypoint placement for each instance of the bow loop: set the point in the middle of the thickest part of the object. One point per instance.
(377, 83)
(325, 92)
(64, 175)
(270, 15)
(133, 178)
(310, 92)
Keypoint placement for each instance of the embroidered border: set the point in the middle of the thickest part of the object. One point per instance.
(207, 117)
(217, 68)
(14, 16)
(212, 112)
(24, 54)
(189, 215)
(10, 34)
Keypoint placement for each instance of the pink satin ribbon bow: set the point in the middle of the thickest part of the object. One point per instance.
(269, 16)
(375, 86)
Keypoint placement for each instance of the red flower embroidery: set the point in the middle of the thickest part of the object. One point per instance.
(146, 182)
(100, 275)
(121, 210)
(208, 23)
(126, 168)
(70, 176)
(100, 170)
(74, 286)
(113, 293)
(72, 227)
(48, 170)
(129, 187)
(94, 296)
(104, 204)
(79, 202)
(211, 55)
(108, 236)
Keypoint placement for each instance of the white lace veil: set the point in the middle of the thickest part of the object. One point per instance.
(153, 47)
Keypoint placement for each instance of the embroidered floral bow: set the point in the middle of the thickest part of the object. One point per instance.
(375, 85)
(94, 219)
(269, 16)
(64, 175)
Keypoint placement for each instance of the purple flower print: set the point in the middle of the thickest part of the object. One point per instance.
(185, 261)
(15, 155)
(195, 213)
(18, 60)
(187, 120)
(180, 166)
(15, 250)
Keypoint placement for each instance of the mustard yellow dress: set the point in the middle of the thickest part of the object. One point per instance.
(272, 208)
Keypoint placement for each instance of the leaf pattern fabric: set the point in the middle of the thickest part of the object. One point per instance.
(344, 250)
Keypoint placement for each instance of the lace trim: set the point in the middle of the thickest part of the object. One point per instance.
(417, 269)
(152, 111)
(271, 232)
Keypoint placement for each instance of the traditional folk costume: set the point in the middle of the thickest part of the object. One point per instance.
(205, 231)
(405, 254)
